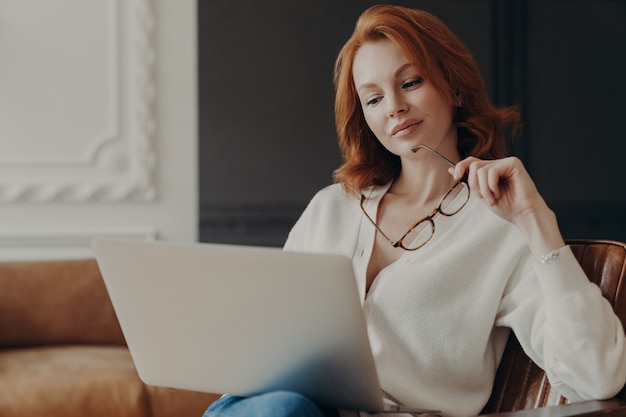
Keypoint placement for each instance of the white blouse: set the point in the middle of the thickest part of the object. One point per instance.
(438, 318)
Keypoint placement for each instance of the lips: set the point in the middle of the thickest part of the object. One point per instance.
(405, 128)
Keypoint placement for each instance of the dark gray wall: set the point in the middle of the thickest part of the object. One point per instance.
(576, 112)
(267, 138)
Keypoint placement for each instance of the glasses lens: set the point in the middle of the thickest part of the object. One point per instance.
(419, 235)
(455, 199)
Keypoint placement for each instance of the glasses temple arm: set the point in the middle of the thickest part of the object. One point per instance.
(440, 156)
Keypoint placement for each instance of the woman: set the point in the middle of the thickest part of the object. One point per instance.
(440, 298)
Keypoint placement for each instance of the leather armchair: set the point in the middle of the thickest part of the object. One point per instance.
(521, 387)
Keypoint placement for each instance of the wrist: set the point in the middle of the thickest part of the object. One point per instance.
(541, 230)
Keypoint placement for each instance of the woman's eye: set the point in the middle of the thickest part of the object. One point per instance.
(413, 83)
(372, 101)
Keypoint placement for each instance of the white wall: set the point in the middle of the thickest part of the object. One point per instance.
(98, 124)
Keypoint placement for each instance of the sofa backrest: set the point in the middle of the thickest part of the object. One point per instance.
(55, 302)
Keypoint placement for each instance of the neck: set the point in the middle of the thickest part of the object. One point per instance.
(424, 177)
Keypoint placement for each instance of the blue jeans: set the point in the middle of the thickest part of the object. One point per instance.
(272, 404)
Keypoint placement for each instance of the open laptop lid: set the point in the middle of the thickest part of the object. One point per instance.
(241, 320)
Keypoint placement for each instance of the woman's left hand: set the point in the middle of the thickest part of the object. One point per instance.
(504, 184)
(510, 193)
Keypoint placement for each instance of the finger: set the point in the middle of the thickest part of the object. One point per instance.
(482, 175)
(457, 171)
(493, 180)
(461, 169)
(472, 177)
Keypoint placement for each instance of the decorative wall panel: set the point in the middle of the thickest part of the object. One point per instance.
(77, 119)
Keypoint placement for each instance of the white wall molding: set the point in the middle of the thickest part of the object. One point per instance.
(112, 157)
(98, 124)
(80, 237)
(63, 244)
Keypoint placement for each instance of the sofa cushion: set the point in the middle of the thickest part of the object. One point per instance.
(169, 402)
(55, 302)
(95, 381)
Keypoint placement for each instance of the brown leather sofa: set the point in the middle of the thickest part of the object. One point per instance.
(62, 352)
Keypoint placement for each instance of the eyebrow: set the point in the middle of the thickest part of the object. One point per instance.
(395, 74)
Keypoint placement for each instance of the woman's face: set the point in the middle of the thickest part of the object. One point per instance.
(400, 107)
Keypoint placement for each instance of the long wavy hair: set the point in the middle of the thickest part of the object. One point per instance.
(442, 59)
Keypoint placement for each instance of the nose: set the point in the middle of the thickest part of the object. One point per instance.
(396, 105)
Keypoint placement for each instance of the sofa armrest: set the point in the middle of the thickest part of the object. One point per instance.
(55, 302)
(608, 408)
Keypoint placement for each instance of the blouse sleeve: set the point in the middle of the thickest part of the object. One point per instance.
(567, 327)
(328, 224)
(296, 235)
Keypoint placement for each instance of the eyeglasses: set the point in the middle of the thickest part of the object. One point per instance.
(421, 232)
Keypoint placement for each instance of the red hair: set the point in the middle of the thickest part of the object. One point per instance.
(442, 59)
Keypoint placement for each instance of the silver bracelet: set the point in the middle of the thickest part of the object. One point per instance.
(549, 257)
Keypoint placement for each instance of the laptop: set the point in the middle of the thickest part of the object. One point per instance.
(243, 320)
